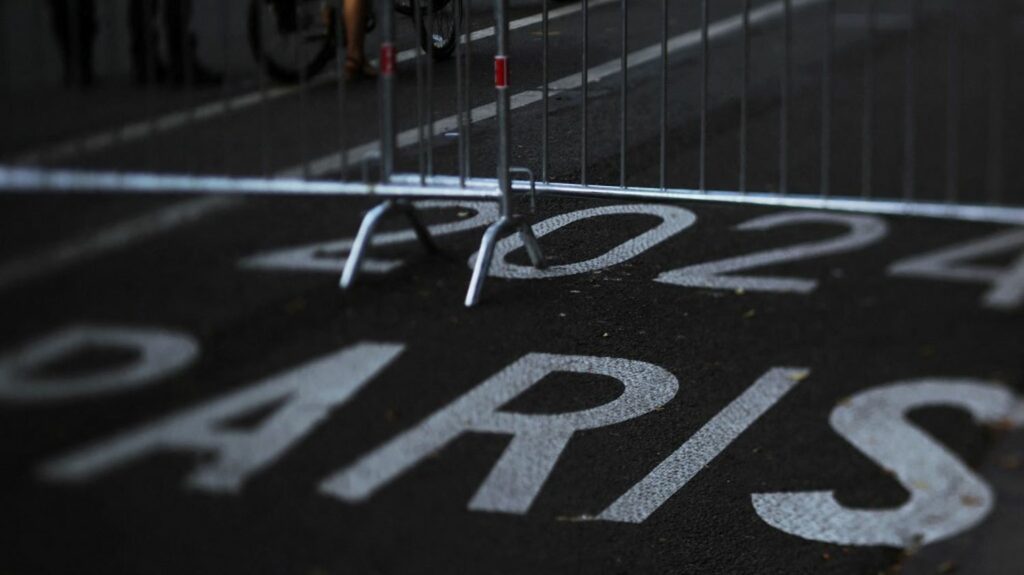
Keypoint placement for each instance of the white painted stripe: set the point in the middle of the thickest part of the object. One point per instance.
(685, 463)
(135, 131)
(718, 30)
(73, 251)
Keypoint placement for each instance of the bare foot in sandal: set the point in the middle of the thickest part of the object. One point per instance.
(358, 69)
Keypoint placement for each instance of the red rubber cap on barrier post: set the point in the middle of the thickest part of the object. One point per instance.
(387, 59)
(501, 71)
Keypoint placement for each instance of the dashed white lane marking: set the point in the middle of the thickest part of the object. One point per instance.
(718, 30)
(73, 251)
(136, 131)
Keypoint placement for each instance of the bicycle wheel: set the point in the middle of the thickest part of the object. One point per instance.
(292, 39)
(445, 28)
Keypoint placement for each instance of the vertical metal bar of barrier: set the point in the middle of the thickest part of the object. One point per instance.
(508, 220)
(826, 98)
(460, 96)
(787, 10)
(261, 78)
(744, 96)
(431, 20)
(501, 73)
(225, 89)
(467, 6)
(544, 92)
(303, 119)
(663, 102)
(386, 88)
(6, 83)
(703, 95)
(74, 41)
(624, 94)
(997, 71)
(74, 57)
(35, 57)
(909, 109)
(867, 149)
(150, 78)
(953, 80)
(584, 88)
(421, 142)
(188, 72)
(341, 57)
(112, 47)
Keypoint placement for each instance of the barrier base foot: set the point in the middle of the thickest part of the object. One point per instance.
(364, 238)
(486, 253)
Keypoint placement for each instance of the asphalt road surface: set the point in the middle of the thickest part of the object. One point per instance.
(687, 388)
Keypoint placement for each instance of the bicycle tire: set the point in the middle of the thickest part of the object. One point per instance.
(448, 37)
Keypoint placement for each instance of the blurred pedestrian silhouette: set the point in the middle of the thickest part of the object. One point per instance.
(74, 24)
(182, 66)
(356, 66)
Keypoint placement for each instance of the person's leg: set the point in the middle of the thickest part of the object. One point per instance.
(176, 29)
(355, 34)
(181, 46)
(74, 24)
(86, 39)
(144, 41)
(355, 28)
(60, 20)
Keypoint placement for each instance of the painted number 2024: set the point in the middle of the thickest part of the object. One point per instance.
(951, 264)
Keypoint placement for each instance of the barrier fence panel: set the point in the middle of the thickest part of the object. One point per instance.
(885, 106)
(240, 88)
(274, 97)
(697, 95)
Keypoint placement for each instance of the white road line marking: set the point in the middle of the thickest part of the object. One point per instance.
(122, 234)
(136, 131)
(689, 459)
(718, 30)
(158, 353)
(945, 496)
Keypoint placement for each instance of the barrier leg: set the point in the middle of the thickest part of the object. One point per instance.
(483, 260)
(422, 233)
(532, 247)
(365, 236)
(363, 239)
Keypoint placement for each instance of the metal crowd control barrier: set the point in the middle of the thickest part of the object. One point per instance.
(508, 221)
(94, 162)
(746, 101)
(919, 25)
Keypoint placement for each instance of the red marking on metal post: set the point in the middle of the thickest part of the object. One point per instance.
(387, 59)
(501, 71)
